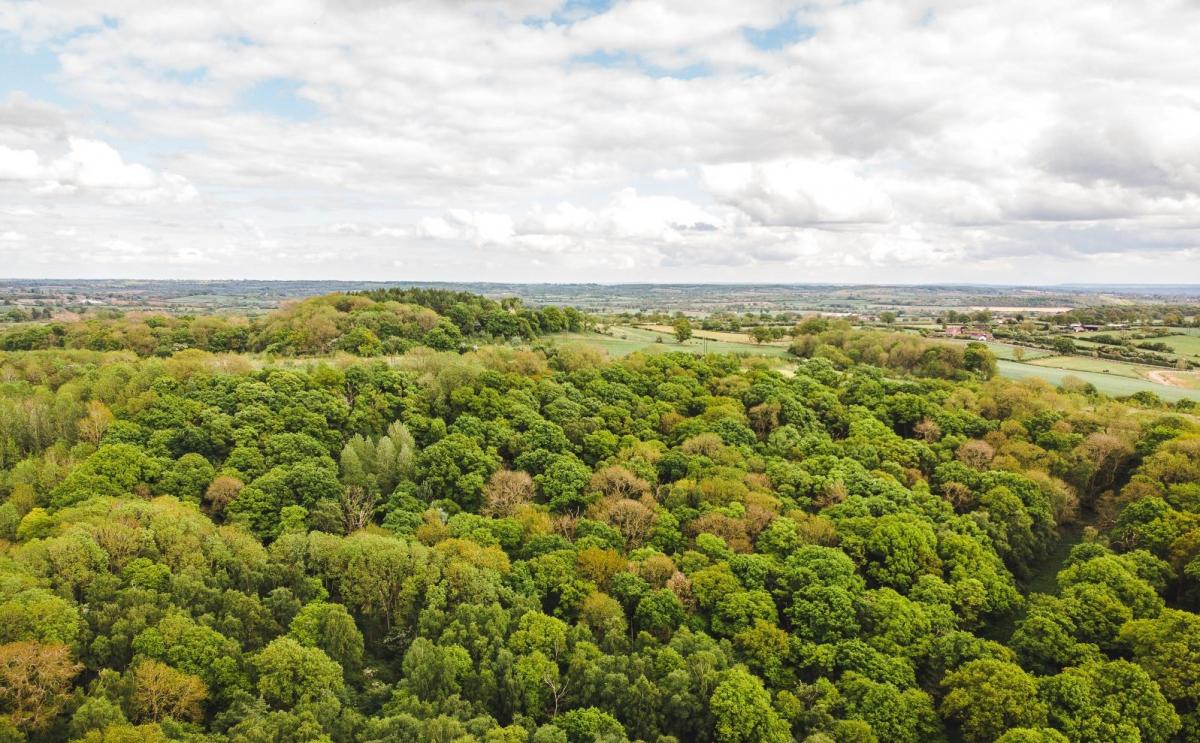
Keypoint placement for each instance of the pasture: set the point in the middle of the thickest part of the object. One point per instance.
(1184, 342)
(1007, 351)
(1110, 384)
(1091, 364)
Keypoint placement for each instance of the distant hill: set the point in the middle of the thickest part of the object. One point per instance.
(364, 324)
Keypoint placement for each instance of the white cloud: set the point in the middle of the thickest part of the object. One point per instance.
(465, 226)
(799, 192)
(95, 167)
(627, 215)
(649, 141)
(18, 165)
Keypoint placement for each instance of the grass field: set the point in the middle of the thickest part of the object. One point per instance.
(1110, 384)
(1005, 350)
(625, 340)
(1100, 366)
(1184, 342)
(1183, 345)
(1155, 374)
(1131, 378)
(1116, 378)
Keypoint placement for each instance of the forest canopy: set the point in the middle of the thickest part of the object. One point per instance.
(505, 545)
(364, 324)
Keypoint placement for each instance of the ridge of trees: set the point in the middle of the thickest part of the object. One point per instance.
(364, 324)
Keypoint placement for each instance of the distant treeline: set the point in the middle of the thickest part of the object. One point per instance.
(364, 324)
(844, 345)
(1110, 347)
(1165, 314)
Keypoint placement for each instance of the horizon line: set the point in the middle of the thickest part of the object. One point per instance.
(936, 284)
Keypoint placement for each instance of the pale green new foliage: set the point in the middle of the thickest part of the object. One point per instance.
(38, 614)
(537, 631)
(331, 628)
(70, 561)
(1104, 701)
(433, 672)
(180, 642)
(290, 674)
(743, 712)
(536, 677)
(1168, 647)
(378, 464)
(900, 549)
(372, 574)
(987, 697)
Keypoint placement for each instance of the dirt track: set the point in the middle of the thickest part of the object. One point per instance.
(1164, 377)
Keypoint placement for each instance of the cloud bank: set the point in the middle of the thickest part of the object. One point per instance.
(636, 140)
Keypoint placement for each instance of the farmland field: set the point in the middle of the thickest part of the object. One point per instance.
(1183, 345)
(1005, 350)
(1184, 342)
(1123, 379)
(1108, 368)
(1109, 384)
(1099, 366)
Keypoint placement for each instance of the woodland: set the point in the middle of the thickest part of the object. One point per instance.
(404, 515)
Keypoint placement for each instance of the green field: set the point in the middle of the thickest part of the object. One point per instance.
(1090, 364)
(1183, 345)
(1109, 384)
(624, 340)
(1153, 374)
(1184, 342)
(1005, 350)
(1122, 379)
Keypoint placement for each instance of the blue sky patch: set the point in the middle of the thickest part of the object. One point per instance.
(603, 58)
(278, 97)
(779, 36)
(571, 11)
(577, 9)
(187, 77)
(30, 72)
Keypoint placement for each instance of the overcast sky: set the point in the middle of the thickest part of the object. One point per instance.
(661, 140)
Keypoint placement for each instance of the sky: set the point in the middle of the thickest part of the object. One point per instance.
(1014, 141)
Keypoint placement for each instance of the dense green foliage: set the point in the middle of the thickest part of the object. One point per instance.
(513, 547)
(844, 345)
(368, 324)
